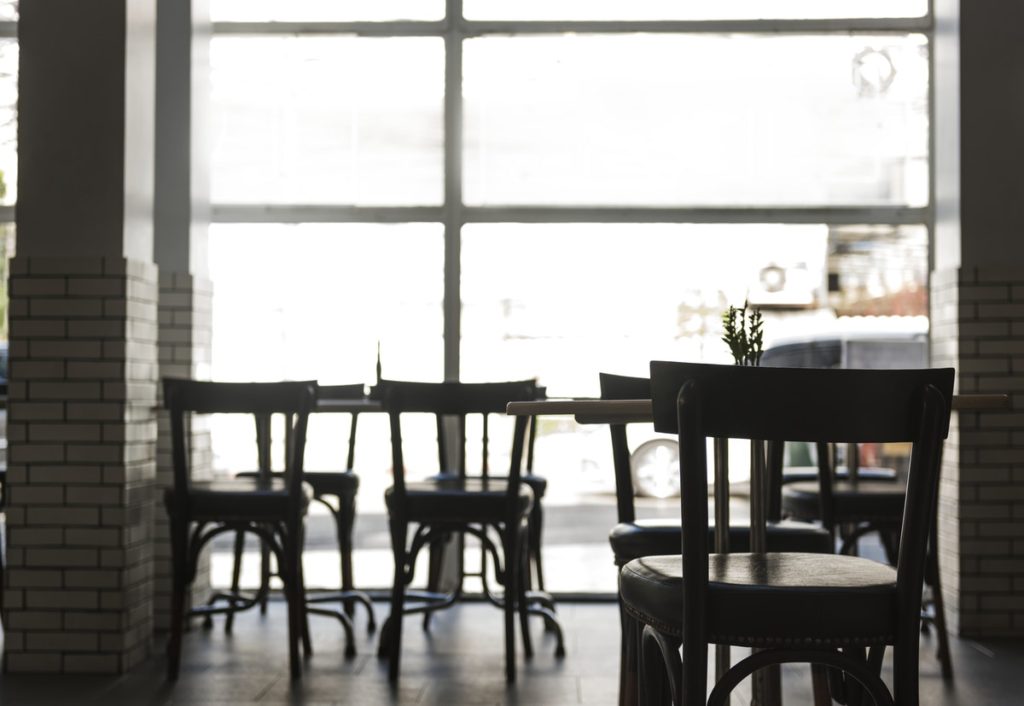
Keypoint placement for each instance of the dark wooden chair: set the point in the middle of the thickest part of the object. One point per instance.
(494, 509)
(335, 490)
(272, 508)
(632, 538)
(825, 609)
(855, 506)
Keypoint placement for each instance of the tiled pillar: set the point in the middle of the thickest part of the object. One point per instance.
(184, 351)
(81, 434)
(978, 327)
(83, 341)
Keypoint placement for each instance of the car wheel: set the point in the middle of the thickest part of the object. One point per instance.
(655, 468)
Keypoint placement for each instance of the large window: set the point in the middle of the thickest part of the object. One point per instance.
(552, 189)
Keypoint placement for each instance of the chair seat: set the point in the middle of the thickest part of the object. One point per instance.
(867, 501)
(341, 483)
(631, 540)
(815, 599)
(538, 484)
(796, 474)
(451, 499)
(239, 499)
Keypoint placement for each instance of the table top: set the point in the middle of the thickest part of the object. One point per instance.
(596, 411)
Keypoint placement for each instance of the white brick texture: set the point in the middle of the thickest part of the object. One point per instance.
(81, 464)
(976, 328)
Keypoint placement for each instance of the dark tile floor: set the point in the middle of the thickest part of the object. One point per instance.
(458, 663)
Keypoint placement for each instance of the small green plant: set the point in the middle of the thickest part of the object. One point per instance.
(744, 335)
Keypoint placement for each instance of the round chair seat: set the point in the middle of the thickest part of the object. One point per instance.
(459, 500)
(245, 499)
(815, 598)
(340, 483)
(795, 474)
(630, 540)
(865, 501)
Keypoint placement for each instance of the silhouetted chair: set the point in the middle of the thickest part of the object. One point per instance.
(272, 508)
(793, 607)
(336, 490)
(632, 538)
(851, 508)
(495, 510)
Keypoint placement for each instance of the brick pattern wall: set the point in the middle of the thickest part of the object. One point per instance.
(81, 464)
(185, 314)
(978, 327)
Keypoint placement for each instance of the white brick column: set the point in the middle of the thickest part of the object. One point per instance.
(184, 351)
(81, 464)
(978, 327)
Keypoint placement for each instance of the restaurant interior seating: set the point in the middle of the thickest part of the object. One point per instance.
(826, 609)
(272, 508)
(335, 490)
(854, 507)
(632, 538)
(493, 508)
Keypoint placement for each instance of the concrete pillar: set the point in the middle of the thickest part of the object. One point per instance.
(978, 307)
(83, 315)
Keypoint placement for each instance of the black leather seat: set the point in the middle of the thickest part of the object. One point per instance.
(801, 607)
(272, 508)
(632, 538)
(864, 501)
(494, 509)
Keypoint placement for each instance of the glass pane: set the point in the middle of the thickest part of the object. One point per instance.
(324, 10)
(294, 120)
(8, 10)
(689, 9)
(8, 121)
(696, 120)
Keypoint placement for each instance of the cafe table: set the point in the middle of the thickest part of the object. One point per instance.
(597, 411)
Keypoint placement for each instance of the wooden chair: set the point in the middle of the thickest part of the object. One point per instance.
(632, 538)
(792, 607)
(493, 509)
(851, 508)
(272, 508)
(335, 490)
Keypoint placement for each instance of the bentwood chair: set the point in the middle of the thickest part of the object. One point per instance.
(793, 607)
(493, 509)
(272, 508)
(632, 538)
(335, 490)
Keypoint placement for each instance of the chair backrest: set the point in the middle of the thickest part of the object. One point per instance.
(621, 387)
(788, 404)
(355, 391)
(295, 400)
(458, 400)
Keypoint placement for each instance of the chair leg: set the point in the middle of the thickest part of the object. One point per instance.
(179, 549)
(536, 527)
(521, 587)
(344, 521)
(512, 563)
(288, 568)
(391, 633)
(236, 572)
(932, 577)
(660, 669)
(300, 588)
(819, 685)
(628, 658)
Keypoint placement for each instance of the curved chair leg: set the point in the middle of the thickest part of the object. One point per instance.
(536, 528)
(660, 669)
(344, 522)
(629, 658)
(933, 578)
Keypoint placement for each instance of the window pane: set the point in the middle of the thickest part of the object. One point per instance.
(312, 301)
(720, 120)
(8, 121)
(324, 10)
(328, 120)
(689, 9)
(9, 9)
